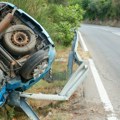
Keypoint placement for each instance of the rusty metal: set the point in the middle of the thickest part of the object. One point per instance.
(12, 73)
(20, 38)
(12, 61)
(4, 24)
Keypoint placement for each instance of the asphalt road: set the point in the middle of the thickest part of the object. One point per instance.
(103, 43)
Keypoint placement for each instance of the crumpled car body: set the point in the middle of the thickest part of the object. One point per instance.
(26, 50)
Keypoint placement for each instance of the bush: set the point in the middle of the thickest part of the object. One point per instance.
(101, 9)
(64, 19)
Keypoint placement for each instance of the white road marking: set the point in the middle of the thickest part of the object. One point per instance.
(105, 29)
(116, 33)
(100, 87)
(102, 28)
(83, 43)
(102, 92)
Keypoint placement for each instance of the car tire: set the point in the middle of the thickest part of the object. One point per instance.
(29, 66)
(11, 39)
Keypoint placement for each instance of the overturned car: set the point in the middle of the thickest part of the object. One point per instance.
(26, 50)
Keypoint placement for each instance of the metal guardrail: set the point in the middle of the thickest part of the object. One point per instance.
(74, 56)
(18, 98)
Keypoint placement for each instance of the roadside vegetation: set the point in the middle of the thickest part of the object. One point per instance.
(101, 11)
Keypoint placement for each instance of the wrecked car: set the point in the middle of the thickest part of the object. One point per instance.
(26, 50)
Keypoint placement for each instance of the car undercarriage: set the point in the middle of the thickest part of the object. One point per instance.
(26, 50)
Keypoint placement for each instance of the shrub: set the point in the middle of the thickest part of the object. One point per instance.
(64, 19)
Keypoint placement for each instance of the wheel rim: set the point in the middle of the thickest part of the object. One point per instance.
(20, 39)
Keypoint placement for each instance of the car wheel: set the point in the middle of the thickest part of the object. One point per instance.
(34, 66)
(19, 39)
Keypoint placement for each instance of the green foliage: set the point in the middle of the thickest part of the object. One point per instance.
(58, 17)
(115, 9)
(96, 9)
(11, 113)
(74, 2)
(65, 18)
(101, 9)
(64, 2)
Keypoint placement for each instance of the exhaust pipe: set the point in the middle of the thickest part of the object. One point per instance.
(4, 24)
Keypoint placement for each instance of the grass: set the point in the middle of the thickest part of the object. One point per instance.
(46, 87)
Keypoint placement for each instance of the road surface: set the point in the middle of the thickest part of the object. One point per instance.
(103, 43)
